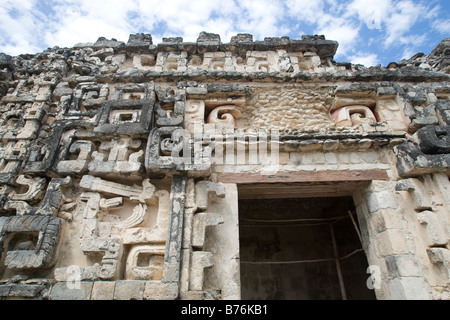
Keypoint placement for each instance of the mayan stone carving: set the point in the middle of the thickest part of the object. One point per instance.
(123, 164)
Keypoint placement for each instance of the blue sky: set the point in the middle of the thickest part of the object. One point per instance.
(369, 32)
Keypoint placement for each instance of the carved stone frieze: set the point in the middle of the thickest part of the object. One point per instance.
(29, 254)
(224, 115)
(170, 150)
(111, 155)
(118, 156)
(353, 115)
(131, 117)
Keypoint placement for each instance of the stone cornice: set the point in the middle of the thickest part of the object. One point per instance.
(209, 42)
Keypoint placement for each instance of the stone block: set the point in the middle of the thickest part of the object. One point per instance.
(129, 290)
(25, 290)
(156, 290)
(139, 40)
(434, 234)
(439, 255)
(103, 290)
(206, 191)
(409, 288)
(331, 158)
(391, 242)
(71, 291)
(202, 220)
(384, 219)
(196, 91)
(5, 289)
(402, 266)
(319, 158)
(381, 200)
(200, 261)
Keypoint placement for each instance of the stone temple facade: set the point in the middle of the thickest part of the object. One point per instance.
(210, 170)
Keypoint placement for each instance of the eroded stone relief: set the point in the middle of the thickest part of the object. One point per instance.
(110, 154)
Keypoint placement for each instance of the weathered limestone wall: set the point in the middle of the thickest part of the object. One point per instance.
(121, 164)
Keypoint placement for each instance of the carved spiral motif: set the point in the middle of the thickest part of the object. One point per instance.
(171, 145)
(192, 107)
(225, 115)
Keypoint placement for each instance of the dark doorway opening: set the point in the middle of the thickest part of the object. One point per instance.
(301, 249)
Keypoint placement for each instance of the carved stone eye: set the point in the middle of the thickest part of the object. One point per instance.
(349, 116)
(145, 262)
(11, 122)
(121, 116)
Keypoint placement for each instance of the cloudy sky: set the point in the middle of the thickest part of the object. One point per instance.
(369, 32)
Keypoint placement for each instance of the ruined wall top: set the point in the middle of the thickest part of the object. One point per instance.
(211, 42)
(242, 59)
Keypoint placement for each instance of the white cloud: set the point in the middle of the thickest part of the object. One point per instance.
(86, 20)
(80, 29)
(344, 31)
(18, 5)
(443, 26)
(306, 10)
(405, 14)
(366, 59)
(396, 20)
(433, 12)
(372, 14)
(185, 18)
(20, 27)
(260, 18)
